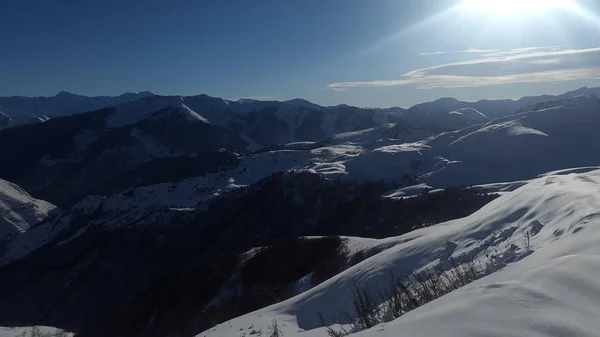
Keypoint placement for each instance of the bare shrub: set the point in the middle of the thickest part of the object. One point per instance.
(275, 330)
(365, 306)
(331, 331)
(409, 292)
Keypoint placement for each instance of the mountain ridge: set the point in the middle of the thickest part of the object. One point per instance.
(575, 92)
(166, 184)
(445, 102)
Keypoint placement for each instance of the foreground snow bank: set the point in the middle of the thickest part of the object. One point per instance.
(33, 331)
(550, 288)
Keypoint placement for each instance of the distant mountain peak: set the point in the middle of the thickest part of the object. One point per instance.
(447, 100)
(65, 94)
(300, 103)
(140, 94)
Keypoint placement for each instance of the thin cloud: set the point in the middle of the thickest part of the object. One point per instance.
(338, 89)
(533, 66)
(526, 50)
(435, 53)
(470, 50)
(476, 51)
(547, 61)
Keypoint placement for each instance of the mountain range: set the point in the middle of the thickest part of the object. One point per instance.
(293, 120)
(165, 203)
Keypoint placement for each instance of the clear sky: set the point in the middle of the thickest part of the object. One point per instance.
(359, 52)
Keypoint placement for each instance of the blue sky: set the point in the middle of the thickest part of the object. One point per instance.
(366, 53)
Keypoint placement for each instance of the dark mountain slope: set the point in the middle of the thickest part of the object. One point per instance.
(66, 159)
(109, 269)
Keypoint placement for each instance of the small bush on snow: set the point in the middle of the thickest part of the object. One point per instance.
(366, 307)
(275, 330)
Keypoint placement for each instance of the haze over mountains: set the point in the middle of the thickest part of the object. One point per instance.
(166, 203)
(23, 110)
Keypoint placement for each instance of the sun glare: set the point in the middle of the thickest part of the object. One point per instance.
(508, 7)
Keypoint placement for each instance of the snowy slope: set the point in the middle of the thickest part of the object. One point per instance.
(511, 148)
(469, 114)
(351, 246)
(549, 289)
(506, 149)
(134, 205)
(503, 150)
(436, 113)
(33, 331)
(19, 211)
(5, 121)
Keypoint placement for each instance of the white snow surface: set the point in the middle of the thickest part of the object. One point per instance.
(180, 110)
(548, 288)
(19, 210)
(469, 114)
(25, 331)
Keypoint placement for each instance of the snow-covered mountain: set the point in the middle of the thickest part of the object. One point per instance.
(102, 152)
(267, 123)
(288, 121)
(505, 149)
(19, 211)
(262, 123)
(438, 116)
(502, 150)
(164, 196)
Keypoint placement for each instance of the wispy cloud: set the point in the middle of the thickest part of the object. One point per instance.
(435, 53)
(518, 51)
(529, 65)
(470, 50)
(547, 61)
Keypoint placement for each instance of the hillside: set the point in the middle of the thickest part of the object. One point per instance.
(66, 159)
(19, 211)
(545, 285)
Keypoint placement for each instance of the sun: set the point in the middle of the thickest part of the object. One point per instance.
(516, 7)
